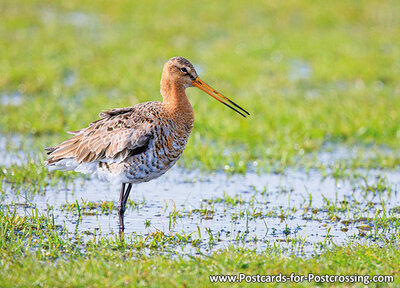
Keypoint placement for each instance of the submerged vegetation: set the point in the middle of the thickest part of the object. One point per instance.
(321, 82)
(34, 243)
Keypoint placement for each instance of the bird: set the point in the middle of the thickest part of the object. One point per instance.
(136, 144)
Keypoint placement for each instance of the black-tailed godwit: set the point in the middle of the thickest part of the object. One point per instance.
(139, 143)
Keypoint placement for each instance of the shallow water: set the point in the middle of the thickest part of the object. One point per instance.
(11, 99)
(10, 150)
(298, 213)
(299, 69)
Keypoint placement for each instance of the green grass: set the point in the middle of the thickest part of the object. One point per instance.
(35, 252)
(70, 60)
(159, 271)
(115, 52)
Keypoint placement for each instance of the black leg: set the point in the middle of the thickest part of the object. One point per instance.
(126, 195)
(123, 198)
(120, 209)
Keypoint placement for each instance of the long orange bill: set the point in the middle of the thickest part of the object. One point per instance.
(221, 98)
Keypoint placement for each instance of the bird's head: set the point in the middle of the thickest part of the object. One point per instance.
(181, 72)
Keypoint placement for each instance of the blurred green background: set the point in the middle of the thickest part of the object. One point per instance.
(309, 72)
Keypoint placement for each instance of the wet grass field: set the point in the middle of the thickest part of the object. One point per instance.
(309, 183)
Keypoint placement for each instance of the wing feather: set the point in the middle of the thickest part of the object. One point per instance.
(118, 134)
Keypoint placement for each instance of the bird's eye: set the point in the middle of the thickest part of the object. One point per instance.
(183, 70)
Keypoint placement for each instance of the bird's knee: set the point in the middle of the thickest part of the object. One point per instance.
(121, 210)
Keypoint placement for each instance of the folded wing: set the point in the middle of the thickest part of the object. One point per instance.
(113, 138)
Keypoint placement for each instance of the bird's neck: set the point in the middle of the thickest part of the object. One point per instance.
(175, 99)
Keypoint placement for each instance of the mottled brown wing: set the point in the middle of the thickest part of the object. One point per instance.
(117, 135)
